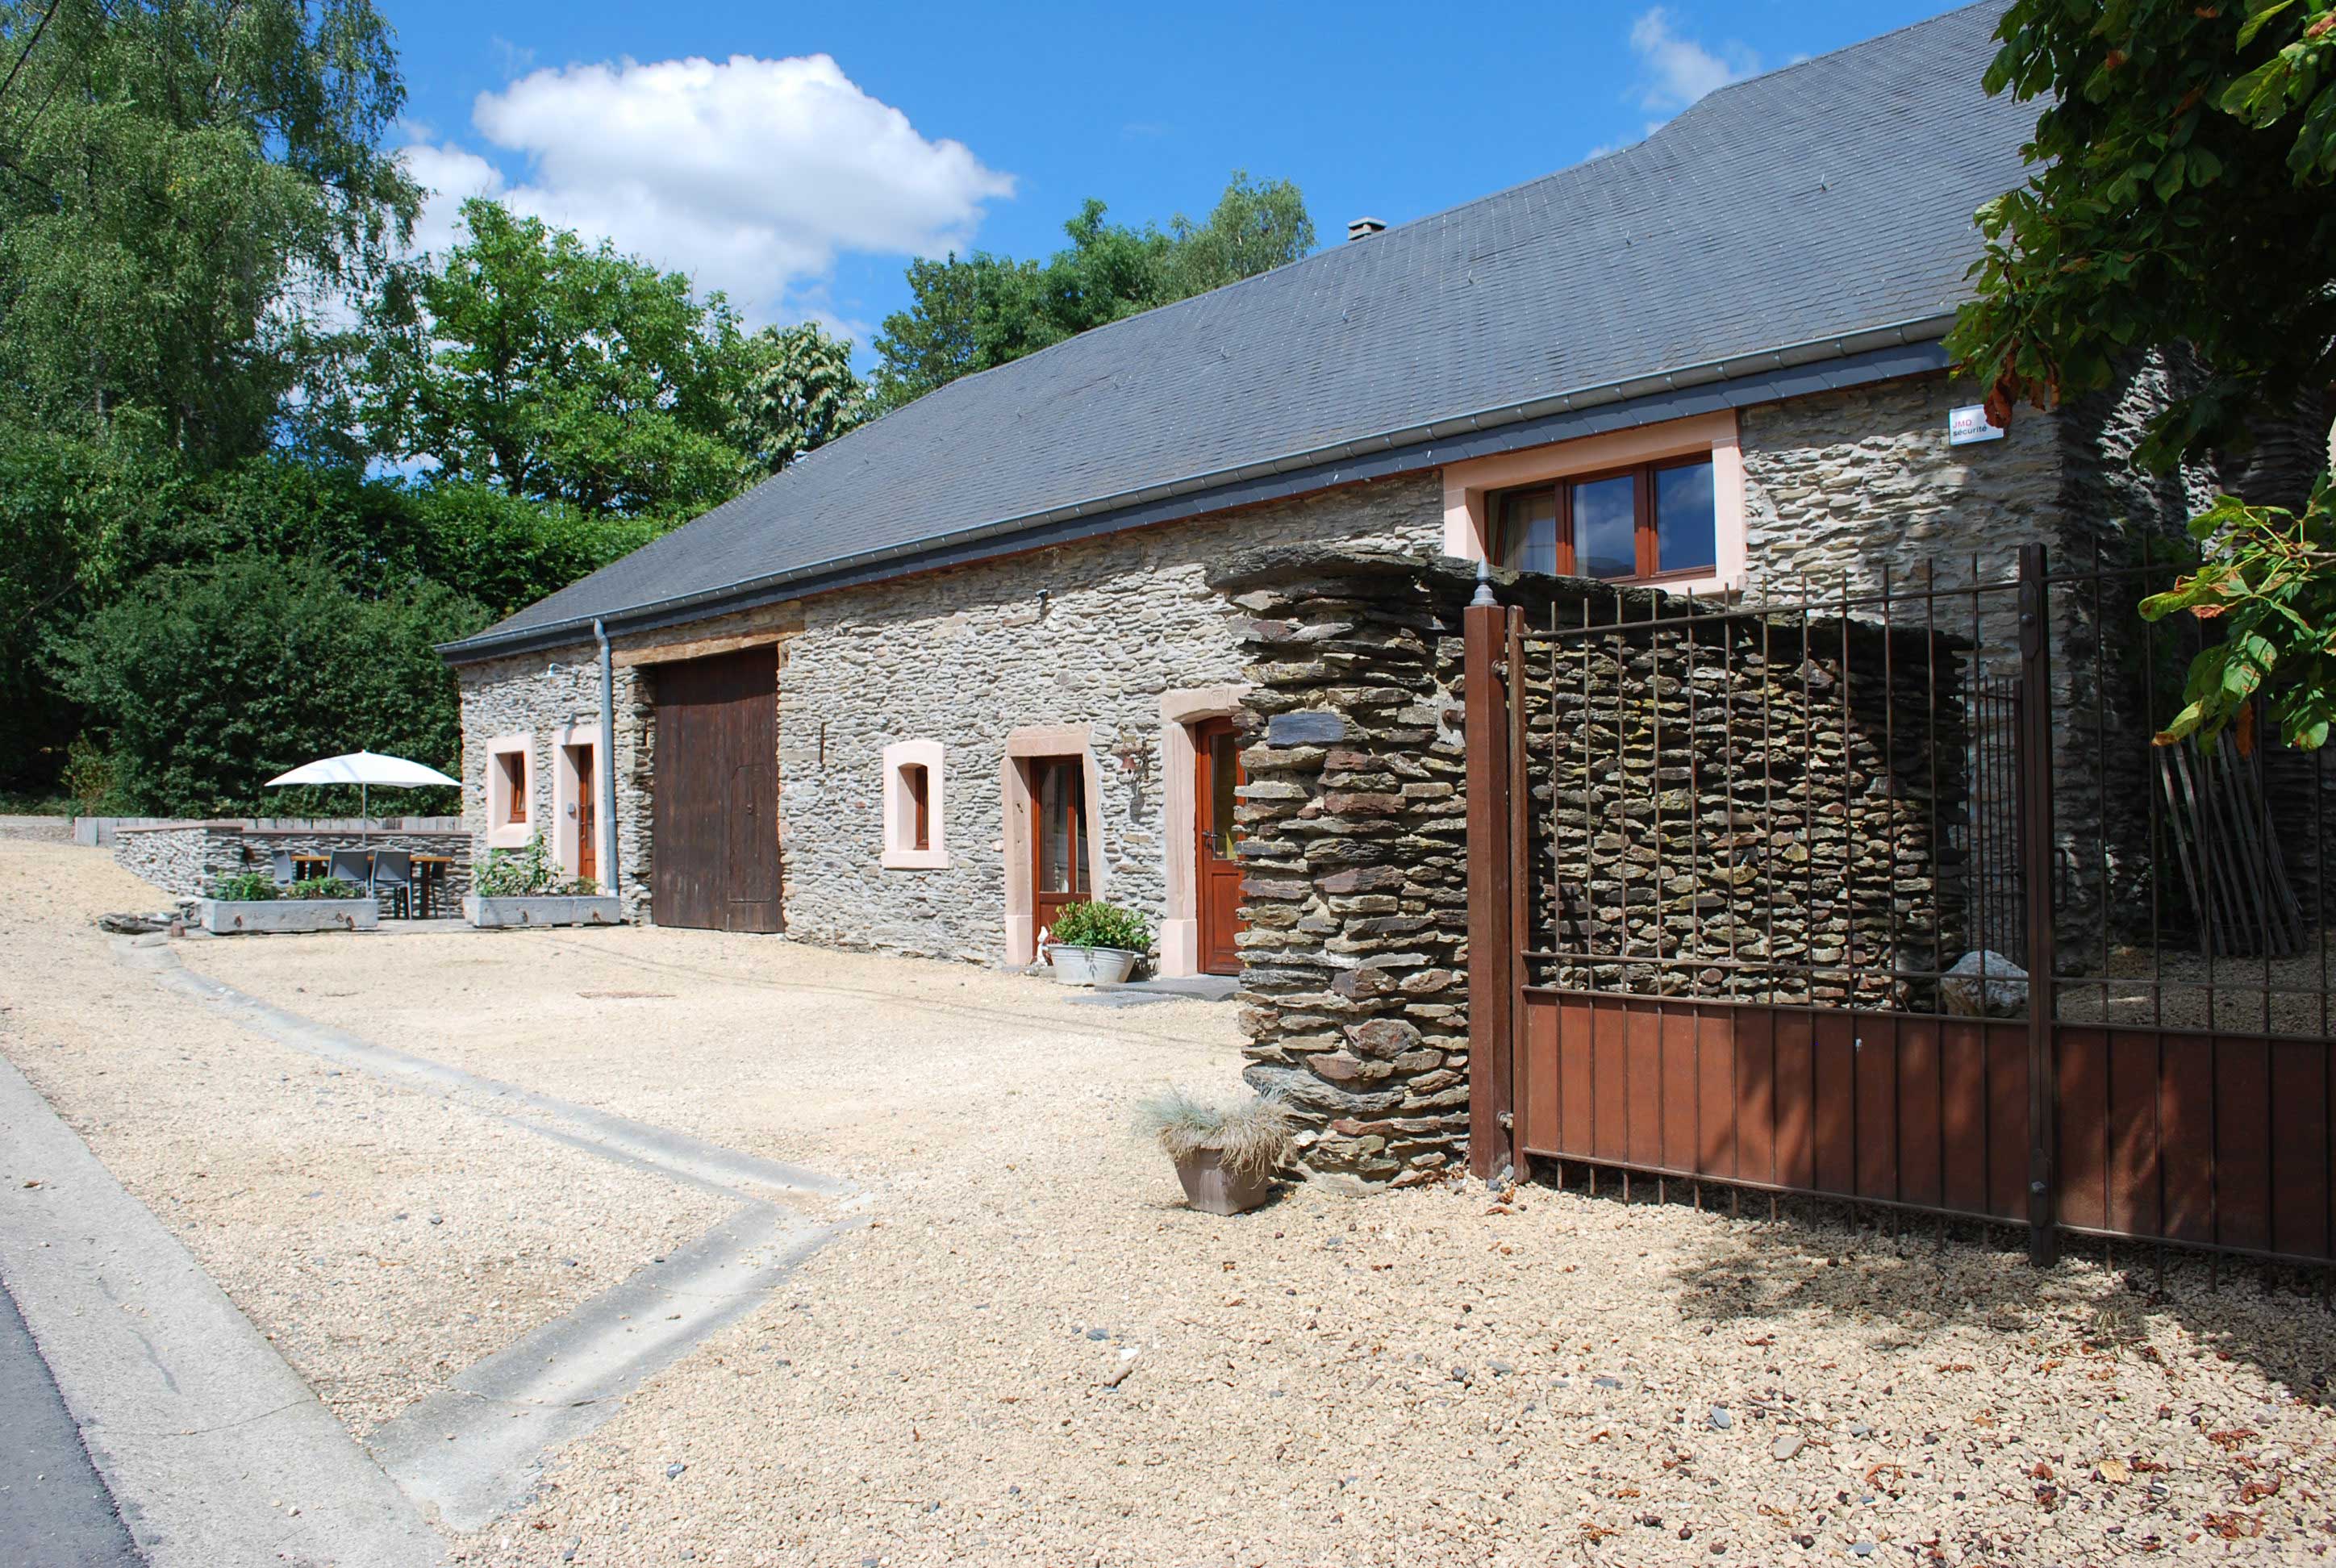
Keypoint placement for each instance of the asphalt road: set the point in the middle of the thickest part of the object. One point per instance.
(55, 1511)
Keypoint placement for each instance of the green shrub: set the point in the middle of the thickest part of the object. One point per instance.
(88, 777)
(246, 887)
(209, 681)
(1098, 925)
(325, 888)
(529, 873)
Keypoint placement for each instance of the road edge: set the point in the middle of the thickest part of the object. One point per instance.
(216, 1451)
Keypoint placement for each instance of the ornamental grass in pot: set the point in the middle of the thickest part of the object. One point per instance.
(1095, 944)
(1225, 1155)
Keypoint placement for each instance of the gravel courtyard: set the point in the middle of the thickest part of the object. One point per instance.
(1036, 1353)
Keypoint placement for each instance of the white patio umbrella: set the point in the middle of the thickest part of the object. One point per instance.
(363, 769)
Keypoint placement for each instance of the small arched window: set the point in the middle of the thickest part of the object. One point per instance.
(915, 822)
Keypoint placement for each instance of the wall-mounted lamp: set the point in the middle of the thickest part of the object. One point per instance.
(1044, 595)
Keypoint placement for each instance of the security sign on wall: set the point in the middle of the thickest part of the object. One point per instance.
(1968, 424)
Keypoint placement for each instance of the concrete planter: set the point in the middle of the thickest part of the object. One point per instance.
(226, 917)
(1092, 966)
(545, 910)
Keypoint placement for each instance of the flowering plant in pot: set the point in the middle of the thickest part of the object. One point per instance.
(1225, 1155)
(1098, 944)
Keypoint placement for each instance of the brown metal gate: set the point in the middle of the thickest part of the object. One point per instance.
(714, 856)
(1724, 857)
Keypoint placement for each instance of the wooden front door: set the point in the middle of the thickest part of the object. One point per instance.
(1058, 842)
(1217, 876)
(588, 819)
(714, 856)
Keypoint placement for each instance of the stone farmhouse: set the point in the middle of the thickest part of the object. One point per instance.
(966, 664)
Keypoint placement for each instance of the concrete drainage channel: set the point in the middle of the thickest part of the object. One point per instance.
(471, 1452)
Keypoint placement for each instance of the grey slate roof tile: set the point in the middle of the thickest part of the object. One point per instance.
(1829, 197)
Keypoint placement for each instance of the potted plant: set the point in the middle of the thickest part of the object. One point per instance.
(1225, 1155)
(1098, 944)
(254, 902)
(527, 889)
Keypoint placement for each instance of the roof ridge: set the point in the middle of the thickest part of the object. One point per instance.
(1329, 367)
(1789, 66)
(1327, 252)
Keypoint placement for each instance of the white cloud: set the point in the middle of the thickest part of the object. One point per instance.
(751, 175)
(1676, 70)
(451, 176)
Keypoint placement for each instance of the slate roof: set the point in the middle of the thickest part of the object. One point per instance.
(1817, 210)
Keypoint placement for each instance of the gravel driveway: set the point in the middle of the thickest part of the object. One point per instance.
(1037, 1354)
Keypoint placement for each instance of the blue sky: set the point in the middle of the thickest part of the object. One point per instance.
(709, 137)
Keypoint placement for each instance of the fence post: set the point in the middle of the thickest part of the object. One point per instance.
(2036, 871)
(1492, 937)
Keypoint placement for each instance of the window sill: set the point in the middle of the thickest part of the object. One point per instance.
(916, 859)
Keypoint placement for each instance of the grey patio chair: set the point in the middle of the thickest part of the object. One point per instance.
(392, 872)
(352, 866)
(285, 872)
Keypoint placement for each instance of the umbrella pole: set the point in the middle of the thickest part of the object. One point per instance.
(364, 815)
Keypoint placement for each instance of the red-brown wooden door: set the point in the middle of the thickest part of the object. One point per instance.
(1217, 875)
(588, 819)
(714, 853)
(1059, 840)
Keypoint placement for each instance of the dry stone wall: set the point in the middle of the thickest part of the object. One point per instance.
(1765, 808)
(1354, 838)
(185, 858)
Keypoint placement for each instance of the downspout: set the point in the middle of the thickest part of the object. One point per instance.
(608, 754)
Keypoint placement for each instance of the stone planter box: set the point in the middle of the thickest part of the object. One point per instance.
(227, 917)
(548, 910)
(1092, 966)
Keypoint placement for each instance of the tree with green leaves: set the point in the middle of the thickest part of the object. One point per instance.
(558, 372)
(292, 667)
(978, 311)
(792, 390)
(1256, 227)
(190, 190)
(566, 374)
(2181, 202)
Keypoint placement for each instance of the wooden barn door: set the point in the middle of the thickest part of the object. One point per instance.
(714, 854)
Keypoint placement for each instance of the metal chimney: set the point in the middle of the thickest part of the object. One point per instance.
(1362, 226)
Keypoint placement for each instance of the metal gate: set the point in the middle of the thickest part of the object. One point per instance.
(1742, 884)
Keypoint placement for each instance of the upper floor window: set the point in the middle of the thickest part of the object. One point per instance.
(1656, 520)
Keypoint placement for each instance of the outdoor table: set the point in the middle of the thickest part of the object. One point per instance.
(429, 883)
(306, 866)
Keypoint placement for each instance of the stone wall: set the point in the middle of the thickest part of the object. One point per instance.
(1088, 634)
(538, 695)
(185, 858)
(1720, 801)
(1759, 807)
(1859, 491)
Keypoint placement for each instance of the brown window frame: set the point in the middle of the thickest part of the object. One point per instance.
(1646, 541)
(514, 766)
(916, 779)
